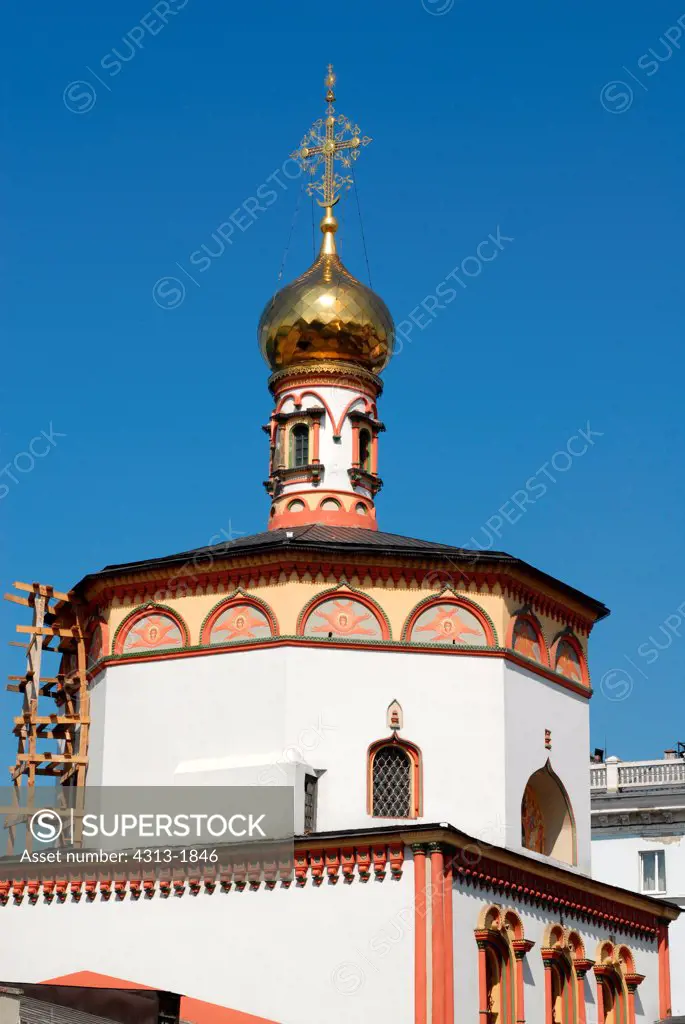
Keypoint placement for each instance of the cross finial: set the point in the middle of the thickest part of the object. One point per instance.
(329, 139)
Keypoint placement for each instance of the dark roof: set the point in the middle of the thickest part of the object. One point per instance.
(346, 540)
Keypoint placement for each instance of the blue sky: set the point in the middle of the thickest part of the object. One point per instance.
(551, 126)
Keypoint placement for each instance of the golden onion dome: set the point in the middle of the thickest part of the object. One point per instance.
(326, 314)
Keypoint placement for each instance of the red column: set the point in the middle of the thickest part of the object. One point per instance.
(438, 933)
(420, 912)
(520, 1008)
(484, 1012)
(600, 999)
(664, 972)
(548, 992)
(316, 426)
(582, 967)
(374, 453)
(449, 943)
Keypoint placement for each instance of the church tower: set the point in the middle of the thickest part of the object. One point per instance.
(326, 337)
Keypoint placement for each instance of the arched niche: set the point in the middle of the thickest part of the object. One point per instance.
(547, 822)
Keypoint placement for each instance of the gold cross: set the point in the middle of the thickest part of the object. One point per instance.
(334, 138)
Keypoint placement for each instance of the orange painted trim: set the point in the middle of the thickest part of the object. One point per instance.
(416, 758)
(420, 937)
(458, 602)
(341, 517)
(448, 897)
(573, 641)
(549, 1018)
(140, 613)
(353, 595)
(294, 641)
(537, 628)
(483, 1001)
(231, 602)
(437, 937)
(664, 972)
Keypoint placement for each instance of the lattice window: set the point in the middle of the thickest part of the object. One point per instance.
(392, 783)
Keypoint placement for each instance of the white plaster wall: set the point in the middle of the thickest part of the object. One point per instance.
(318, 707)
(467, 906)
(336, 456)
(533, 704)
(339, 953)
(617, 860)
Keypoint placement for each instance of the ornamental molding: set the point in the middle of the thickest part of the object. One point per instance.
(268, 570)
(454, 596)
(329, 374)
(317, 864)
(239, 596)
(149, 609)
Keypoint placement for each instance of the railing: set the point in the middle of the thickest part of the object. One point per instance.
(615, 775)
(651, 773)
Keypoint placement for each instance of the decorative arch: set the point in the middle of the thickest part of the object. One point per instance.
(548, 824)
(500, 965)
(561, 984)
(156, 627)
(525, 636)
(344, 613)
(617, 982)
(394, 787)
(449, 620)
(568, 658)
(236, 618)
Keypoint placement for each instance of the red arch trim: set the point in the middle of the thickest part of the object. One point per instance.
(457, 602)
(573, 642)
(142, 613)
(351, 595)
(232, 602)
(527, 617)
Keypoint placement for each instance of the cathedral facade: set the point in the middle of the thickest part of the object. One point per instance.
(427, 706)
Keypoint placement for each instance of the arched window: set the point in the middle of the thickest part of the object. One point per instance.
(547, 822)
(299, 445)
(365, 450)
(497, 977)
(561, 985)
(394, 779)
(617, 982)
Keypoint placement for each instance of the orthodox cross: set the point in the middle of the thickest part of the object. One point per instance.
(329, 139)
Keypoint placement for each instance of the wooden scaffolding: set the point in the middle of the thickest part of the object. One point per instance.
(52, 738)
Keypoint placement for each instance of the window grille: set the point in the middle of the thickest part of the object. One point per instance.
(391, 783)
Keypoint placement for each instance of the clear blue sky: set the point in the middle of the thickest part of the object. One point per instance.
(483, 115)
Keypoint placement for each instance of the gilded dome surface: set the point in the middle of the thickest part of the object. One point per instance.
(326, 314)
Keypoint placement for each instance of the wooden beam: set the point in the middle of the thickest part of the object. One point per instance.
(53, 720)
(51, 631)
(50, 758)
(44, 591)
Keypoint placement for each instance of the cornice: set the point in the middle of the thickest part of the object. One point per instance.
(248, 569)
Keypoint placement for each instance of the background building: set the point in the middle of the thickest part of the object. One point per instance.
(638, 837)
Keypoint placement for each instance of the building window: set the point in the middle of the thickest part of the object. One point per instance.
(310, 782)
(391, 783)
(653, 871)
(299, 445)
(394, 779)
(365, 450)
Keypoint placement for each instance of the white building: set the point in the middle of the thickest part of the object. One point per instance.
(428, 706)
(638, 837)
